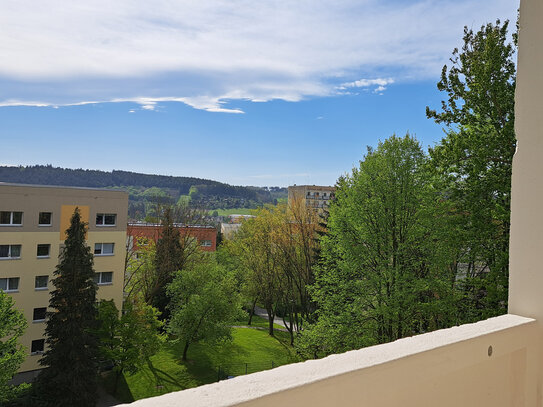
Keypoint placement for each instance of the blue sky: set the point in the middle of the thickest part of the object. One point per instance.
(244, 92)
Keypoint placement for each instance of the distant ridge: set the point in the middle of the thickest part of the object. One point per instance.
(143, 188)
(49, 175)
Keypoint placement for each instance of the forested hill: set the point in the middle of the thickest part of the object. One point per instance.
(49, 175)
(145, 187)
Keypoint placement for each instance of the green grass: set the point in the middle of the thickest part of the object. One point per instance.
(257, 321)
(250, 350)
(233, 211)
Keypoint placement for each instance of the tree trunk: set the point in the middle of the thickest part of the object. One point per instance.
(252, 312)
(187, 343)
(118, 374)
(270, 321)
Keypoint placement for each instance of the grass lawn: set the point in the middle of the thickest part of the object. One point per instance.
(251, 350)
(258, 322)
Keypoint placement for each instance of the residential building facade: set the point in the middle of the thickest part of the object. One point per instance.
(33, 223)
(315, 196)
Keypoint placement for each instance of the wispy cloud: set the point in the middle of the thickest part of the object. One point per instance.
(207, 53)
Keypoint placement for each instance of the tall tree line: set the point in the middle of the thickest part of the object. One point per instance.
(417, 241)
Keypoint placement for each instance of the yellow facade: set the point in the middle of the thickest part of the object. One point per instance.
(60, 203)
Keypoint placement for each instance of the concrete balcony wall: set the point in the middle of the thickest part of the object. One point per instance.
(450, 367)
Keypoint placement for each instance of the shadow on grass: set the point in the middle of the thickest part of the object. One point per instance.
(123, 393)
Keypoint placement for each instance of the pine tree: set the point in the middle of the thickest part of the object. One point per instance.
(70, 374)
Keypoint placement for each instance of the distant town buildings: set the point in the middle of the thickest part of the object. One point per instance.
(315, 196)
(33, 221)
(229, 229)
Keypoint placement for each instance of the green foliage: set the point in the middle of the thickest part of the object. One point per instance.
(12, 354)
(69, 376)
(383, 274)
(204, 301)
(141, 279)
(129, 341)
(474, 162)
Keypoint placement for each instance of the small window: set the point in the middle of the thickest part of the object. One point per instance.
(103, 249)
(39, 314)
(103, 278)
(205, 243)
(37, 347)
(11, 218)
(41, 282)
(44, 219)
(10, 251)
(9, 284)
(43, 250)
(106, 219)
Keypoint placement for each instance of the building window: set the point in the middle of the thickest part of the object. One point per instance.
(205, 243)
(44, 219)
(10, 251)
(39, 314)
(37, 347)
(103, 278)
(41, 282)
(43, 250)
(10, 284)
(11, 218)
(106, 219)
(103, 249)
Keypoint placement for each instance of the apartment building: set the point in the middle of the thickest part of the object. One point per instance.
(204, 235)
(33, 221)
(315, 196)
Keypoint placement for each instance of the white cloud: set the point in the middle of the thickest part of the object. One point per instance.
(208, 52)
(364, 83)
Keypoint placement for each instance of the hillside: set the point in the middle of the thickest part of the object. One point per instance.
(145, 189)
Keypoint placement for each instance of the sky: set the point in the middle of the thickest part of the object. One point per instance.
(267, 93)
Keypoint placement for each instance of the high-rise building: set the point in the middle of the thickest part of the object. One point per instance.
(33, 223)
(315, 196)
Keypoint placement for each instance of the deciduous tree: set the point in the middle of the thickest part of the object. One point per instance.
(12, 353)
(204, 302)
(474, 161)
(130, 340)
(382, 274)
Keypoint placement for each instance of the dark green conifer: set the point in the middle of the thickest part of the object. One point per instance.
(168, 259)
(70, 370)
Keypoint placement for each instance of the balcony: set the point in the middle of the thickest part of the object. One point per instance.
(489, 363)
(497, 362)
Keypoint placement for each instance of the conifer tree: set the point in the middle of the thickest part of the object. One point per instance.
(70, 374)
(168, 259)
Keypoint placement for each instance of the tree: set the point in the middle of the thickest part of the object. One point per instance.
(12, 354)
(69, 376)
(204, 302)
(474, 162)
(256, 250)
(127, 342)
(141, 280)
(168, 259)
(382, 275)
